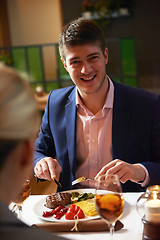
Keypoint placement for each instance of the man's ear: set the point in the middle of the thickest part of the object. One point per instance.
(64, 64)
(106, 55)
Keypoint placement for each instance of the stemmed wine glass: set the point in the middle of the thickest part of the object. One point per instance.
(25, 193)
(109, 199)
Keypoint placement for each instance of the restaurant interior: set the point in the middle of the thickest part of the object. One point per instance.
(29, 35)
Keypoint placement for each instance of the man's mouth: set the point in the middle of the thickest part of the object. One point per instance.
(89, 78)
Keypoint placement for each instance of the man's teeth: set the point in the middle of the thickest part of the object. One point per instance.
(88, 78)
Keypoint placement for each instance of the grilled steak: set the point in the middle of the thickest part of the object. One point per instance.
(57, 199)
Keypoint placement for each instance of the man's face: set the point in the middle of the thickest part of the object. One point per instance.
(86, 65)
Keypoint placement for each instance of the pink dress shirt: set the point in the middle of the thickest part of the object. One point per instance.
(94, 137)
(91, 136)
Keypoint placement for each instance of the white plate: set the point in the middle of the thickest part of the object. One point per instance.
(39, 208)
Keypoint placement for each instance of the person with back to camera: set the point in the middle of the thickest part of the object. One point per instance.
(19, 124)
(97, 125)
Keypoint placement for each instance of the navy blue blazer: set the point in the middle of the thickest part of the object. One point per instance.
(135, 132)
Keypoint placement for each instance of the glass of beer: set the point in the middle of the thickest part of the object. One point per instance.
(109, 199)
(25, 193)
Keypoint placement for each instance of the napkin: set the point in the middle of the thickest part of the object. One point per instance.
(82, 226)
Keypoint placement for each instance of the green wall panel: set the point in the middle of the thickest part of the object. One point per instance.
(35, 65)
(19, 59)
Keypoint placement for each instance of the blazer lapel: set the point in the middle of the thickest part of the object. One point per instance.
(70, 113)
(120, 123)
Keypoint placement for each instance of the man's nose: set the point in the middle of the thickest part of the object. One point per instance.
(86, 68)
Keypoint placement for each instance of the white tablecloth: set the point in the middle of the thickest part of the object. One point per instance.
(132, 230)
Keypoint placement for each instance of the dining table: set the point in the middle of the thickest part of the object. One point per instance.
(132, 229)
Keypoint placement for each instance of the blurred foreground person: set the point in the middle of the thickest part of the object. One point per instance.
(19, 123)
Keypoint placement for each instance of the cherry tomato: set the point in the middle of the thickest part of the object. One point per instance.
(74, 212)
(74, 208)
(70, 215)
(57, 209)
(60, 214)
(48, 213)
(52, 212)
(80, 214)
(64, 210)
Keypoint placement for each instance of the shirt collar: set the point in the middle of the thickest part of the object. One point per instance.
(109, 99)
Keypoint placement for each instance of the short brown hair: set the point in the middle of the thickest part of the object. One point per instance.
(79, 32)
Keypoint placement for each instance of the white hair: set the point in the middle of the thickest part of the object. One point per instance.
(19, 116)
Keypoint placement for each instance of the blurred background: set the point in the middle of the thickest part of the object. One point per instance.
(29, 34)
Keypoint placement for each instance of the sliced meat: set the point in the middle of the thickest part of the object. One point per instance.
(57, 199)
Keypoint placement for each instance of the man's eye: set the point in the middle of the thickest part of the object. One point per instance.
(74, 63)
(93, 58)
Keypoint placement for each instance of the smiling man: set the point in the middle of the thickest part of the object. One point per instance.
(97, 126)
(86, 65)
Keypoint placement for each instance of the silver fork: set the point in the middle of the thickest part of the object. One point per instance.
(81, 179)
